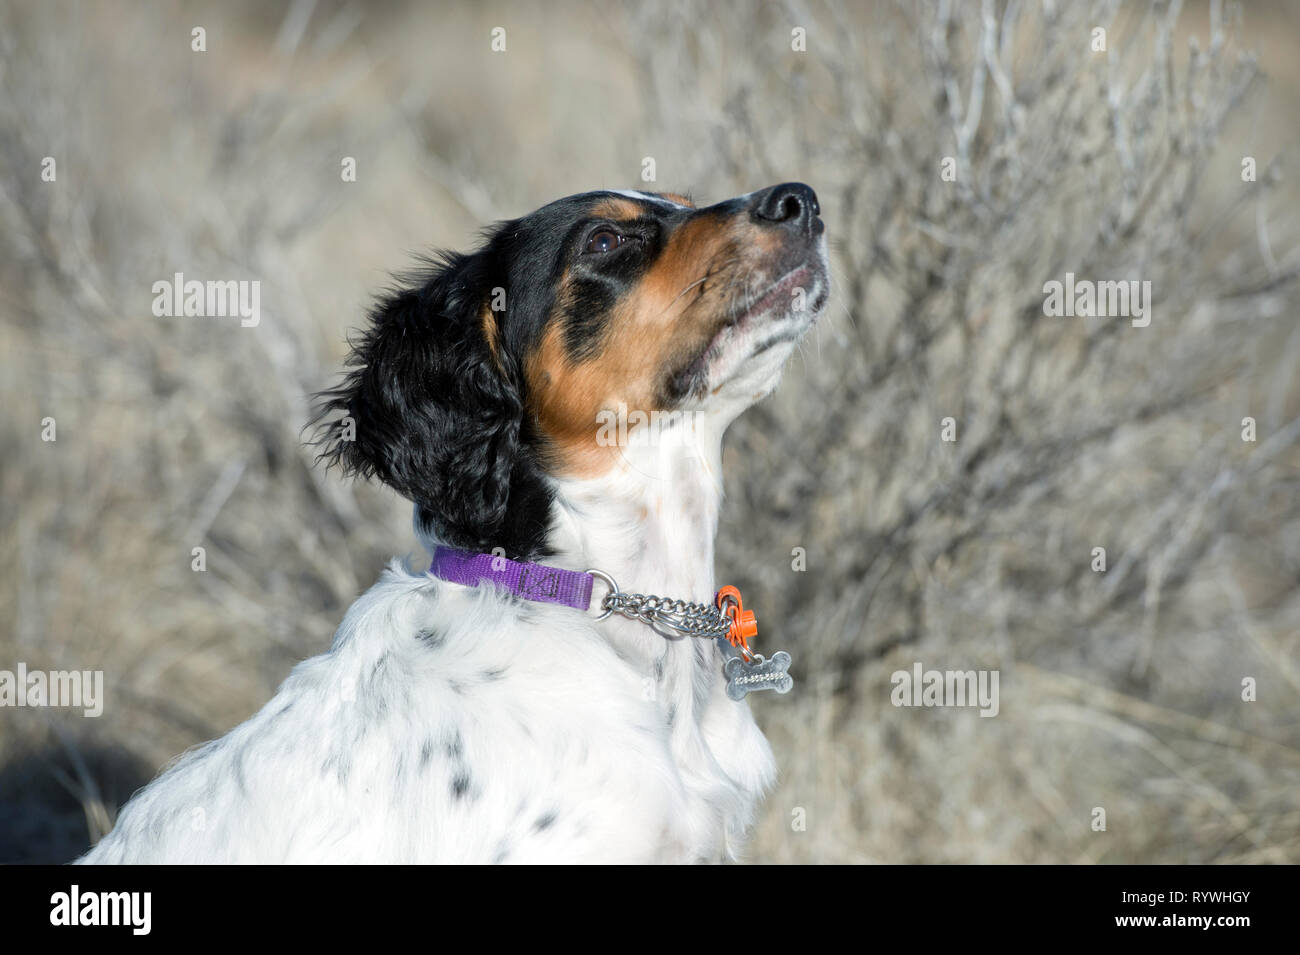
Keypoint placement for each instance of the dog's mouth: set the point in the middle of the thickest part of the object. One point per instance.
(781, 292)
(781, 314)
(792, 303)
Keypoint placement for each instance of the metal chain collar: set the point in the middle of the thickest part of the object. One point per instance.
(666, 616)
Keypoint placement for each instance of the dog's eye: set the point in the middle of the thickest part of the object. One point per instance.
(606, 240)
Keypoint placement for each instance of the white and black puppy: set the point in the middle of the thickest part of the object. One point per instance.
(458, 723)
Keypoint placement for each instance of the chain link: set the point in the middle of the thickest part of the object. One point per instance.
(681, 616)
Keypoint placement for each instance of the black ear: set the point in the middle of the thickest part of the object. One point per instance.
(434, 408)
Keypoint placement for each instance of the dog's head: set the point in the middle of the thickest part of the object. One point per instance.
(488, 374)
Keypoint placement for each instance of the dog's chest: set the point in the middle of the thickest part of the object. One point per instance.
(451, 727)
(576, 754)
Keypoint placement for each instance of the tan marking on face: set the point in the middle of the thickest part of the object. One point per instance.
(701, 245)
(659, 324)
(620, 210)
(678, 198)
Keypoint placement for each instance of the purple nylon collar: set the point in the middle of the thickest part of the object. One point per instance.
(549, 585)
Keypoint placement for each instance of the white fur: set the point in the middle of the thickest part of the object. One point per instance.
(647, 197)
(357, 757)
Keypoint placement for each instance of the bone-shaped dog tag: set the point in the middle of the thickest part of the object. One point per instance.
(759, 674)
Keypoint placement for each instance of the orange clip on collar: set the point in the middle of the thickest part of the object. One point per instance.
(744, 625)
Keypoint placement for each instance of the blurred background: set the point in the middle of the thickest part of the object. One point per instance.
(1120, 689)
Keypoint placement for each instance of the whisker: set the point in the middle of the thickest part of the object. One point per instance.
(713, 270)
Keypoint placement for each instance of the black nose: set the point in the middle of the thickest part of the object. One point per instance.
(791, 204)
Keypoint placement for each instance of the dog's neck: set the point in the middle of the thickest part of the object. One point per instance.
(649, 523)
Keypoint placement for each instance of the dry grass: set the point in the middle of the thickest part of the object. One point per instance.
(1119, 690)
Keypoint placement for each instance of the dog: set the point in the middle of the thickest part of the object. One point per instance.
(556, 689)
